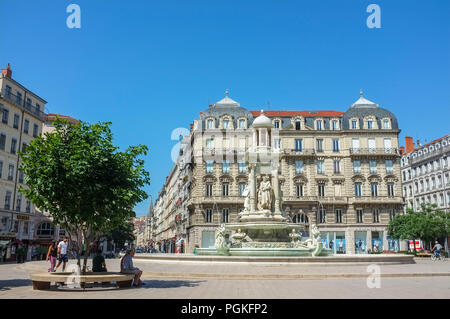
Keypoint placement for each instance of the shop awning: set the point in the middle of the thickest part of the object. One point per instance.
(4, 242)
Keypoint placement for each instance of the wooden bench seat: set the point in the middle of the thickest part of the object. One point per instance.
(42, 281)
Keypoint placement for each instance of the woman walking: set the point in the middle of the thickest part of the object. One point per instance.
(52, 254)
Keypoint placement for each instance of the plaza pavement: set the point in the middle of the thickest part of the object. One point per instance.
(206, 280)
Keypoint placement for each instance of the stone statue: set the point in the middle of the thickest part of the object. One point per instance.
(294, 236)
(221, 245)
(246, 194)
(239, 237)
(265, 194)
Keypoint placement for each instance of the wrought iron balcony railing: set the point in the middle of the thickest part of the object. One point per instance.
(19, 102)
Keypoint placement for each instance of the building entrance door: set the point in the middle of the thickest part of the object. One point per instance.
(208, 239)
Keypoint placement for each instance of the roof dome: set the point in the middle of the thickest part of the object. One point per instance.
(262, 121)
(226, 102)
(362, 102)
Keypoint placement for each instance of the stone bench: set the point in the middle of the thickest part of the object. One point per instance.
(42, 281)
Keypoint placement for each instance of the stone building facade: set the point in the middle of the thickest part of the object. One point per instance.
(339, 170)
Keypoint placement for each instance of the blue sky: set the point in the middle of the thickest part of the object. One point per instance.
(151, 66)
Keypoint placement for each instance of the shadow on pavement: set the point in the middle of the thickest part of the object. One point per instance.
(170, 283)
(13, 283)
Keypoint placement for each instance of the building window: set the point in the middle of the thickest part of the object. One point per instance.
(242, 124)
(226, 124)
(226, 167)
(16, 121)
(209, 189)
(25, 228)
(359, 215)
(242, 168)
(20, 177)
(276, 125)
(374, 189)
(390, 188)
(337, 166)
(19, 98)
(28, 104)
(16, 226)
(209, 167)
(298, 145)
(300, 218)
(386, 124)
(319, 144)
(389, 167)
(241, 188)
(208, 215)
(35, 130)
(335, 145)
(320, 169)
(334, 124)
(28, 206)
(10, 172)
(8, 200)
(338, 216)
(319, 125)
(357, 166)
(13, 145)
(299, 167)
(1, 168)
(358, 189)
(376, 215)
(24, 147)
(225, 189)
(45, 229)
(392, 214)
(354, 124)
(373, 167)
(299, 190)
(370, 124)
(18, 202)
(321, 190)
(322, 216)
(26, 126)
(225, 215)
(210, 124)
(2, 142)
(8, 92)
(297, 125)
(210, 143)
(5, 115)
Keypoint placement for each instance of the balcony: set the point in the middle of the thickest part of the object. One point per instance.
(321, 199)
(382, 152)
(19, 102)
(300, 153)
(378, 199)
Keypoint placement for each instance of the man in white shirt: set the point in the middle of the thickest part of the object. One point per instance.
(62, 253)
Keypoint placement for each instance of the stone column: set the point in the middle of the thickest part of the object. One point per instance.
(255, 140)
(349, 241)
(252, 186)
(369, 240)
(384, 239)
(276, 190)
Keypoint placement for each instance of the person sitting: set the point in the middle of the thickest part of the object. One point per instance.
(126, 267)
(98, 263)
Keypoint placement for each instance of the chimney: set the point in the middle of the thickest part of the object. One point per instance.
(210, 106)
(418, 143)
(402, 150)
(409, 144)
(7, 72)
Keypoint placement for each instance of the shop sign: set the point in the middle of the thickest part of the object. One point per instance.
(23, 217)
(12, 235)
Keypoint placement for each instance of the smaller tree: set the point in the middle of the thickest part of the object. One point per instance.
(122, 234)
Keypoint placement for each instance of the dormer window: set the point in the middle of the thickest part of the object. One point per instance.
(319, 125)
(386, 124)
(334, 125)
(276, 124)
(369, 124)
(242, 124)
(226, 124)
(354, 124)
(297, 125)
(210, 124)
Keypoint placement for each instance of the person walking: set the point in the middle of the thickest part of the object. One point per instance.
(126, 267)
(52, 254)
(62, 253)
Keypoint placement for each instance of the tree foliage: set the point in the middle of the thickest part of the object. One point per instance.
(427, 225)
(86, 184)
(122, 234)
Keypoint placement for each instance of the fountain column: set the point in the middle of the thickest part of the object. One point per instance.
(252, 185)
(276, 190)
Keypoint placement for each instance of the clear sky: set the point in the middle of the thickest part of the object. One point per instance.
(150, 66)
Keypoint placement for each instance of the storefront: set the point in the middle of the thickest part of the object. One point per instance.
(335, 241)
(208, 238)
(360, 242)
(393, 244)
(377, 241)
(6, 246)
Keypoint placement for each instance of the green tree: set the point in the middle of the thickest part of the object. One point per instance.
(86, 184)
(122, 234)
(427, 225)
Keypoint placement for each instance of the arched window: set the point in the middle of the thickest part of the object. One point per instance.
(45, 229)
(300, 219)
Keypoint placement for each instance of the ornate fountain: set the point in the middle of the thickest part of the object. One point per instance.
(262, 230)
